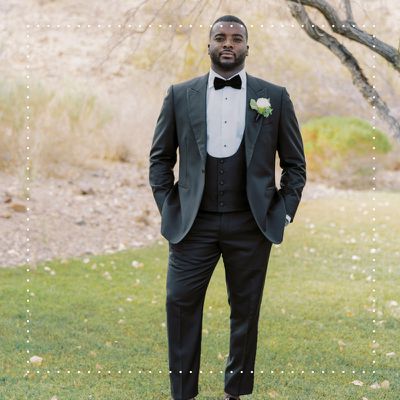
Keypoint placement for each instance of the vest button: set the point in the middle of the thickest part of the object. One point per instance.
(221, 203)
(221, 192)
(221, 171)
(221, 161)
(221, 182)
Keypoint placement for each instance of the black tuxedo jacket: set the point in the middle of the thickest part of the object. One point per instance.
(182, 125)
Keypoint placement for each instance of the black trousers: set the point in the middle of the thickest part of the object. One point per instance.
(245, 252)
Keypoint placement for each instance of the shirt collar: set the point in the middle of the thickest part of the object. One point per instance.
(213, 74)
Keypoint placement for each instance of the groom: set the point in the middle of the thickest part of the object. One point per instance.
(225, 201)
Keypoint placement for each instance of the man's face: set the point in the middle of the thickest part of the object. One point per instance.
(228, 47)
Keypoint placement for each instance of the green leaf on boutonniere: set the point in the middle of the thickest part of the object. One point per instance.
(253, 104)
(262, 106)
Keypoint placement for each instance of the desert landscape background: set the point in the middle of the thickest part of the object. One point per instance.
(83, 265)
(95, 91)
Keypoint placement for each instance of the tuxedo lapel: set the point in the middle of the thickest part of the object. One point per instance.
(196, 98)
(252, 128)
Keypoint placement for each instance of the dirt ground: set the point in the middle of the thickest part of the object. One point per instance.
(102, 209)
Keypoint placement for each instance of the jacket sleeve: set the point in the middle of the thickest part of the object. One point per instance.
(291, 155)
(163, 151)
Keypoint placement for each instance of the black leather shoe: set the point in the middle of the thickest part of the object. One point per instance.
(230, 397)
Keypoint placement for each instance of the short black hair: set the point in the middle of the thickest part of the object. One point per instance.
(230, 18)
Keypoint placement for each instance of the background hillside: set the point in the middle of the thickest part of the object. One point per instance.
(95, 92)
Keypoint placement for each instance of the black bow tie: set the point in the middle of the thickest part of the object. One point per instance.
(235, 82)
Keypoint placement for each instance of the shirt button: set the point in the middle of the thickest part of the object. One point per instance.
(225, 122)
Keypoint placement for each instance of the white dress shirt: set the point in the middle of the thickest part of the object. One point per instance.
(226, 116)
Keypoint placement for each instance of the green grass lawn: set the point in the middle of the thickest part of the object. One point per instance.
(316, 324)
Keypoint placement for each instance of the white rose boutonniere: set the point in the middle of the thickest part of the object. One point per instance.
(262, 106)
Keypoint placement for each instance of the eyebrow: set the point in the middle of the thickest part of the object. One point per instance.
(223, 34)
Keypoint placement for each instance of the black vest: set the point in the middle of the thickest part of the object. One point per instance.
(225, 183)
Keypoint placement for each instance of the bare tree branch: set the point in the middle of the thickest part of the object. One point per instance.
(126, 32)
(350, 30)
(349, 12)
(359, 79)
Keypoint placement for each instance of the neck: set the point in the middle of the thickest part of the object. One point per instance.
(224, 73)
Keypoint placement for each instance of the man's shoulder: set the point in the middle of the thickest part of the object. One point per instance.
(189, 82)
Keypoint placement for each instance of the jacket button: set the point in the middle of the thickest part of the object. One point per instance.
(202, 171)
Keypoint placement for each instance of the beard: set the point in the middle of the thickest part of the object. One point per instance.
(228, 64)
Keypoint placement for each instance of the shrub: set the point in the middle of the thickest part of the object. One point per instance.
(66, 125)
(340, 149)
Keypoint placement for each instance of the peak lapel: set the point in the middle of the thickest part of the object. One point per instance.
(252, 127)
(196, 99)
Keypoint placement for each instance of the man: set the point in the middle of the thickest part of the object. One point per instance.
(224, 202)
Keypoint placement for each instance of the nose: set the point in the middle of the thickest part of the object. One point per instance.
(227, 44)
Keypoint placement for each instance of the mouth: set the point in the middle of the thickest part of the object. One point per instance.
(227, 54)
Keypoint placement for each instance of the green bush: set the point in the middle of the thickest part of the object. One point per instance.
(341, 148)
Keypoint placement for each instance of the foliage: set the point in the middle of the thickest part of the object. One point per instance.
(336, 146)
(65, 124)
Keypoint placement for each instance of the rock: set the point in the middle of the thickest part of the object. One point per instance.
(107, 275)
(18, 207)
(7, 197)
(85, 190)
(36, 360)
(136, 264)
(385, 384)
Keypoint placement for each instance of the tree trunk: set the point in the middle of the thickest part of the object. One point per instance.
(349, 29)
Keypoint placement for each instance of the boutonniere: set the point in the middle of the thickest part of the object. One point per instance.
(262, 106)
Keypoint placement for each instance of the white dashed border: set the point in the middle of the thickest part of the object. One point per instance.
(373, 250)
(27, 188)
